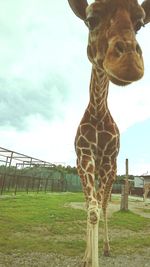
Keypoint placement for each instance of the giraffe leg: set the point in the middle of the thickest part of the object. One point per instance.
(103, 195)
(106, 246)
(107, 192)
(91, 254)
(86, 168)
(87, 260)
(94, 215)
(105, 198)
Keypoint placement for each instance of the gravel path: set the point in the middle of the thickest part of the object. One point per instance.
(52, 260)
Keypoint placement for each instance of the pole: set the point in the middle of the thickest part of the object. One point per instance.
(125, 189)
(127, 185)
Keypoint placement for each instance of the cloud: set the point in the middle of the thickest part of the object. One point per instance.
(19, 99)
(135, 146)
(39, 50)
(129, 105)
(53, 142)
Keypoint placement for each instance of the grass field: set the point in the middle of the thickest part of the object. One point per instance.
(46, 223)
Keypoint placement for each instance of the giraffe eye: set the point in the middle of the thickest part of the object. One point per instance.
(92, 22)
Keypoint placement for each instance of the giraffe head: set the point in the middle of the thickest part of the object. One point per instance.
(112, 45)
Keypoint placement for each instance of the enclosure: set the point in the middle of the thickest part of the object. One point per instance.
(22, 173)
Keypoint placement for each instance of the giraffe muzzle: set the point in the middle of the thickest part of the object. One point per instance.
(124, 62)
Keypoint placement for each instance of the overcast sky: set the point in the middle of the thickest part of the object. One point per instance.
(44, 86)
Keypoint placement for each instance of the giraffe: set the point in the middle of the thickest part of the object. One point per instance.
(146, 191)
(117, 57)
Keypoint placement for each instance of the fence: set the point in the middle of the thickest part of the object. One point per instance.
(55, 182)
(14, 184)
(21, 173)
(10, 183)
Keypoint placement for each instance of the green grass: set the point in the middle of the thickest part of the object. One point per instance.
(135, 230)
(33, 222)
(45, 223)
(129, 220)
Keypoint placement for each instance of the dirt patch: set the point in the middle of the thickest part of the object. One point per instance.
(136, 205)
(140, 208)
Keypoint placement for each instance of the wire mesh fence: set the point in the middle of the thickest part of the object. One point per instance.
(10, 183)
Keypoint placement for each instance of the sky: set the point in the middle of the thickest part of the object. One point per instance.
(44, 86)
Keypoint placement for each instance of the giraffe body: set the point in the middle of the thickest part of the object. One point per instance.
(97, 141)
(115, 56)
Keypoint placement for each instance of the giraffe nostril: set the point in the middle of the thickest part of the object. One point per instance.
(138, 49)
(120, 48)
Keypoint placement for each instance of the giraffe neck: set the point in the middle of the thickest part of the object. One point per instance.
(98, 93)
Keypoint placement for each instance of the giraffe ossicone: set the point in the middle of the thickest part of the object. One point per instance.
(115, 56)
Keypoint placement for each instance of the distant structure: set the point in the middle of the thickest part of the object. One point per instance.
(144, 183)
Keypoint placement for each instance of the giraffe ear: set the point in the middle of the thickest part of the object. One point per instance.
(79, 8)
(146, 6)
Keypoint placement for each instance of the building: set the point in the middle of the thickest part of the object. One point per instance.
(140, 181)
